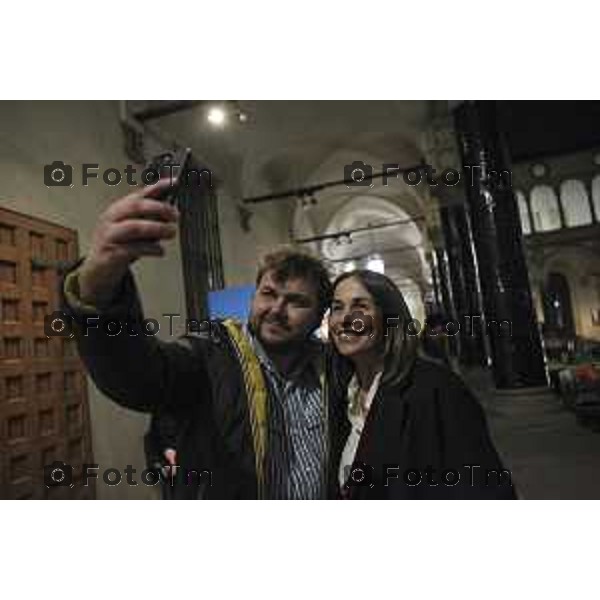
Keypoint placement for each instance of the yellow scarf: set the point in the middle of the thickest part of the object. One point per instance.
(256, 394)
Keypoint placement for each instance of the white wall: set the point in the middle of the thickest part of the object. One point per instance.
(241, 249)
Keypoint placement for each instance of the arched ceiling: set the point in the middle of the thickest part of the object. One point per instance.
(284, 142)
(400, 245)
(291, 144)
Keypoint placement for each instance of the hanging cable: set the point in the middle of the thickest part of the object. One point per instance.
(319, 187)
(348, 232)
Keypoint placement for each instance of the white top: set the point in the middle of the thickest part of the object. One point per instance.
(357, 416)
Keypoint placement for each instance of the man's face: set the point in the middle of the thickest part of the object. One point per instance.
(284, 312)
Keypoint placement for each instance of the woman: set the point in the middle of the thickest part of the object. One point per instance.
(409, 427)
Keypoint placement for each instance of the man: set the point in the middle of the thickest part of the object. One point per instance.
(249, 397)
(160, 448)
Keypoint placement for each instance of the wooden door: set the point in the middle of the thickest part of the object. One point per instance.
(44, 414)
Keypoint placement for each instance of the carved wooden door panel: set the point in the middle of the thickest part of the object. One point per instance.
(44, 414)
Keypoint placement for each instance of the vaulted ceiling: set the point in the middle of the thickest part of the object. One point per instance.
(285, 145)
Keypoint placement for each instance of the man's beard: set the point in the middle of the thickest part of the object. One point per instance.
(281, 347)
(262, 322)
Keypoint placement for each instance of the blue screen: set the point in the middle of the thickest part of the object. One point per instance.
(230, 302)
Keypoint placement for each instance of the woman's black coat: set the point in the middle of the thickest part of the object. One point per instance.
(427, 440)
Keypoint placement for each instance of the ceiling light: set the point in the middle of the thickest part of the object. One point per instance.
(216, 115)
(376, 264)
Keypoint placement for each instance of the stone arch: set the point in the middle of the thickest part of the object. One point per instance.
(402, 247)
(557, 302)
(568, 262)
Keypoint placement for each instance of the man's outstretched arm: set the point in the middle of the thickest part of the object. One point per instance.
(138, 371)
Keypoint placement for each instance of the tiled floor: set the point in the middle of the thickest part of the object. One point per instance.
(550, 455)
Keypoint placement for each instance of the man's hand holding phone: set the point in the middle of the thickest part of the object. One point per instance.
(131, 227)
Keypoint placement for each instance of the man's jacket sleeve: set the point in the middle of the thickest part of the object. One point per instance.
(138, 371)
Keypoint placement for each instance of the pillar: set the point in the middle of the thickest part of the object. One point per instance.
(511, 326)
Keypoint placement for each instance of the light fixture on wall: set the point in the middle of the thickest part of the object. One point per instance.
(539, 170)
(343, 240)
(308, 200)
(244, 216)
(222, 113)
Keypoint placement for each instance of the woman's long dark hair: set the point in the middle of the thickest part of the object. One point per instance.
(400, 349)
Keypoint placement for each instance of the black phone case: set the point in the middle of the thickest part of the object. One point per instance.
(171, 164)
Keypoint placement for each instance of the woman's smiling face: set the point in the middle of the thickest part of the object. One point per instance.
(355, 336)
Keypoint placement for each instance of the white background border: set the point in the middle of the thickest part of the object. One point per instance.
(308, 50)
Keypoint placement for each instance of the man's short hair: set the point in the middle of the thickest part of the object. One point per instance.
(288, 263)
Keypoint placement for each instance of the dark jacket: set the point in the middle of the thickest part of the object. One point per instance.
(428, 440)
(198, 380)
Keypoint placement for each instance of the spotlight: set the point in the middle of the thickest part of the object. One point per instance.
(376, 264)
(216, 115)
(223, 113)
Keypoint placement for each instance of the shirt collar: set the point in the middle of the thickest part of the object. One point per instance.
(309, 369)
(354, 389)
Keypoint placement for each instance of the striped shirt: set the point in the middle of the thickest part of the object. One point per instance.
(295, 457)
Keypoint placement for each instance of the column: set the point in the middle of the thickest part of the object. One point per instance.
(511, 327)
(462, 273)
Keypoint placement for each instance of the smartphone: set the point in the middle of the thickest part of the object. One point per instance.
(173, 164)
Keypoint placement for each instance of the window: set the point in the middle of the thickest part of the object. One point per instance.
(575, 203)
(544, 206)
